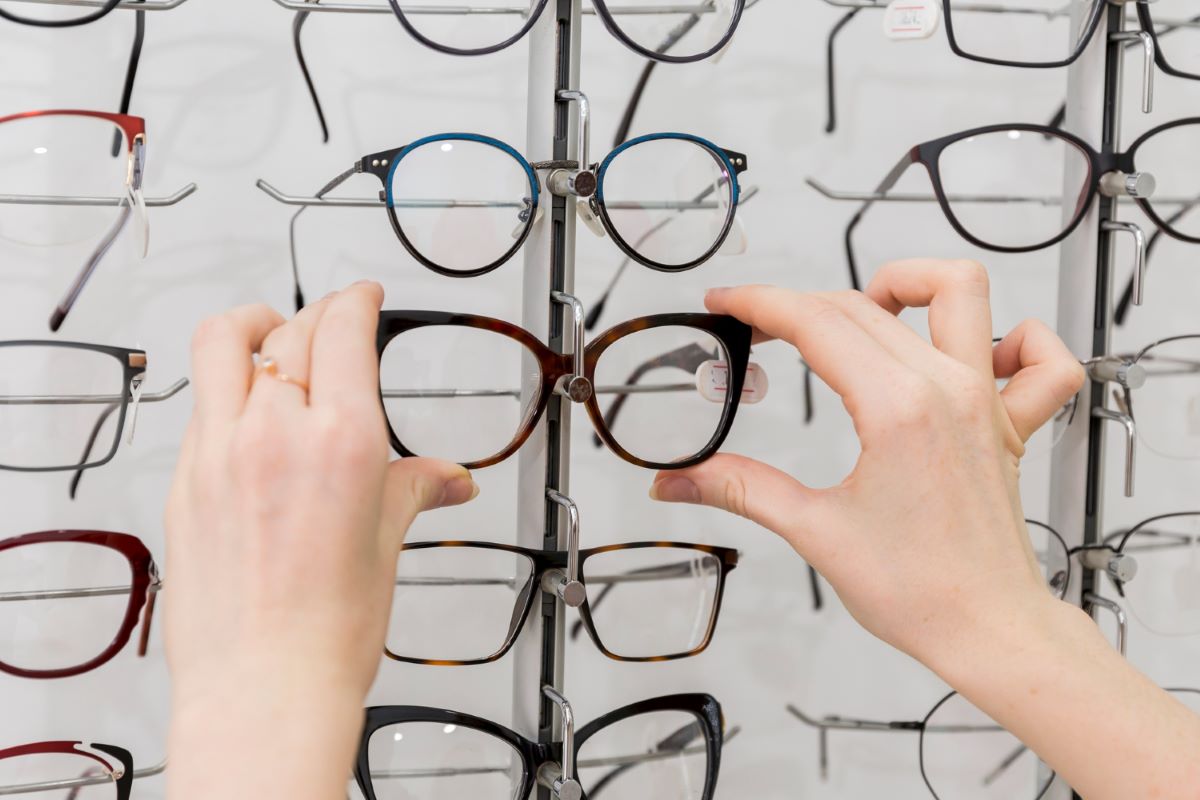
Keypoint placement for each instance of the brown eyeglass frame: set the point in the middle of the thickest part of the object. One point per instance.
(733, 335)
(144, 587)
(546, 560)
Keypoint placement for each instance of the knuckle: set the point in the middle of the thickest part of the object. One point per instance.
(734, 496)
(211, 330)
(922, 402)
(971, 275)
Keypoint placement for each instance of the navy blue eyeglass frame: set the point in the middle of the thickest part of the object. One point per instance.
(383, 165)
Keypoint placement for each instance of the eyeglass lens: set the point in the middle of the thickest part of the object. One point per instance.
(60, 155)
(435, 760)
(651, 601)
(45, 623)
(1046, 34)
(462, 204)
(1164, 596)
(667, 419)
(457, 603)
(670, 200)
(982, 173)
(454, 392)
(55, 399)
(658, 754)
(1167, 408)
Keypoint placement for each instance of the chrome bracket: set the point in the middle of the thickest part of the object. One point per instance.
(1140, 254)
(1148, 53)
(560, 778)
(567, 586)
(577, 387)
(1126, 421)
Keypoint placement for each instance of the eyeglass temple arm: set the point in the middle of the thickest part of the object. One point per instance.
(1123, 305)
(674, 743)
(833, 722)
(830, 69)
(687, 358)
(298, 46)
(73, 291)
(886, 184)
(298, 293)
(597, 308)
(152, 397)
(135, 57)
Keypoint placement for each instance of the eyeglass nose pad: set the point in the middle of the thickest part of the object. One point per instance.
(523, 216)
(718, 23)
(135, 389)
(586, 211)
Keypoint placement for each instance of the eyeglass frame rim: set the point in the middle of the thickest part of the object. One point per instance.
(126, 357)
(706, 709)
(733, 335)
(124, 783)
(143, 572)
(1098, 7)
(99, 13)
(546, 560)
(730, 159)
(601, 11)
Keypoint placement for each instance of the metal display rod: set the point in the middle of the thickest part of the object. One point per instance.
(1093, 111)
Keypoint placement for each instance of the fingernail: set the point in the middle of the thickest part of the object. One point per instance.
(716, 291)
(458, 491)
(675, 489)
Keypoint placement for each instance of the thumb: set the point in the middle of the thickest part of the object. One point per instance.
(748, 488)
(413, 485)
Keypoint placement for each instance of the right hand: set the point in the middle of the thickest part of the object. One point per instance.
(925, 541)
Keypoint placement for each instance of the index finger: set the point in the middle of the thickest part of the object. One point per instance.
(851, 361)
(222, 358)
(344, 367)
(956, 293)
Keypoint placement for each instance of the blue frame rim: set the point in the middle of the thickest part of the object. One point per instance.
(686, 137)
(468, 137)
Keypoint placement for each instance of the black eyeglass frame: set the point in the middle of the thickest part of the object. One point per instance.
(928, 155)
(133, 369)
(703, 707)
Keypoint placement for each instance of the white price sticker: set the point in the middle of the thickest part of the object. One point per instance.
(912, 19)
(712, 381)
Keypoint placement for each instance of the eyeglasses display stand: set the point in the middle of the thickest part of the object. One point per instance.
(1085, 310)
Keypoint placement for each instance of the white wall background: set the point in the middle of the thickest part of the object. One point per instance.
(225, 105)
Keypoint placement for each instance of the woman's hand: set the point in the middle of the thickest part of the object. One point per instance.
(926, 537)
(284, 523)
(925, 540)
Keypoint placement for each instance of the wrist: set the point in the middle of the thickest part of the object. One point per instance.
(225, 731)
(1013, 642)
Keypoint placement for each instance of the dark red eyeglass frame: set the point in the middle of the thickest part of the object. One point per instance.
(733, 335)
(124, 783)
(144, 587)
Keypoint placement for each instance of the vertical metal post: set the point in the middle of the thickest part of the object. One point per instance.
(549, 266)
(1084, 302)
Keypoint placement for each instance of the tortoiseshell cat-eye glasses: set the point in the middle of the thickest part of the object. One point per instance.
(471, 389)
(489, 589)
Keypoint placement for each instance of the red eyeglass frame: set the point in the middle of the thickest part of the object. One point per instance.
(143, 591)
(124, 783)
